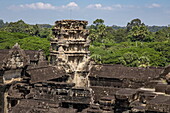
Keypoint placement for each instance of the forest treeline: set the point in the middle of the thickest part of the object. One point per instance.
(136, 45)
(30, 37)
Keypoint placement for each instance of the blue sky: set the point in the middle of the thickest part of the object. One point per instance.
(113, 12)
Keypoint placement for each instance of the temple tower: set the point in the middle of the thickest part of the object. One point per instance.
(70, 46)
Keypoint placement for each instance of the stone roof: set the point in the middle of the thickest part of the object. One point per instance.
(122, 72)
(100, 92)
(3, 53)
(42, 74)
(160, 99)
(62, 110)
(126, 92)
(160, 103)
(34, 106)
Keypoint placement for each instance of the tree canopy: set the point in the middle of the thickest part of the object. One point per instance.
(134, 45)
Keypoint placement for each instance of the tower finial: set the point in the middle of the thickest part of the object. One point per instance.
(16, 45)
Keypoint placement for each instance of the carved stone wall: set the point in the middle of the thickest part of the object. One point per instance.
(69, 48)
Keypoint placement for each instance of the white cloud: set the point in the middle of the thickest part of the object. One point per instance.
(40, 5)
(99, 6)
(154, 5)
(70, 5)
(120, 6)
(94, 6)
(112, 7)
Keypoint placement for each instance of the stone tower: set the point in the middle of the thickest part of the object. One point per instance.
(70, 47)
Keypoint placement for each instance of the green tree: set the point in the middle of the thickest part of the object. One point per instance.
(22, 27)
(162, 35)
(134, 22)
(139, 33)
(98, 31)
(1, 23)
(98, 22)
(7, 40)
(120, 35)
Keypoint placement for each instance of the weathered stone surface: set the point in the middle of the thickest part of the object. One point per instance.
(39, 74)
(126, 94)
(159, 104)
(99, 92)
(121, 76)
(160, 87)
(69, 48)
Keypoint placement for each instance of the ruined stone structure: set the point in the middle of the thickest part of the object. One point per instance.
(72, 84)
(69, 48)
(13, 64)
